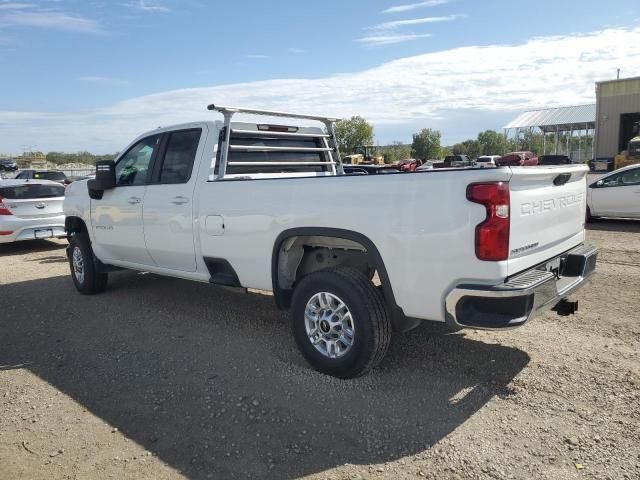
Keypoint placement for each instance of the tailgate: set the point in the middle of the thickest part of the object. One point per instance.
(548, 206)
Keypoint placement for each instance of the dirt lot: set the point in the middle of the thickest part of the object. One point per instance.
(162, 378)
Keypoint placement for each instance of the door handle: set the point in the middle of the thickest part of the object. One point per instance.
(180, 200)
(134, 200)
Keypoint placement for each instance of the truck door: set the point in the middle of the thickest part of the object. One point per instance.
(116, 219)
(168, 208)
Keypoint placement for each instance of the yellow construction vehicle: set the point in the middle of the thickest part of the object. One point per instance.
(632, 154)
(366, 154)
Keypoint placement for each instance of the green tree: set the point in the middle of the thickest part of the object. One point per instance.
(444, 151)
(426, 144)
(396, 151)
(353, 133)
(459, 149)
(472, 148)
(491, 143)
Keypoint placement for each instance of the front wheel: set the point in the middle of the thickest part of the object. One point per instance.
(340, 322)
(84, 273)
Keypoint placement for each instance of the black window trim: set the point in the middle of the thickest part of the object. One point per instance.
(154, 155)
(162, 150)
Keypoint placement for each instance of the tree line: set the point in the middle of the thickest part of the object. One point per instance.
(426, 144)
(88, 158)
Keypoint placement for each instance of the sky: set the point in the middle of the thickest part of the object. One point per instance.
(93, 74)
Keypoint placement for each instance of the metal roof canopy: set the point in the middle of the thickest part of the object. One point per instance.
(563, 119)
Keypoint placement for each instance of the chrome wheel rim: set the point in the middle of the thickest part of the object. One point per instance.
(329, 325)
(78, 265)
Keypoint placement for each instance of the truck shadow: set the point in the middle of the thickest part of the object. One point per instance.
(211, 382)
(614, 225)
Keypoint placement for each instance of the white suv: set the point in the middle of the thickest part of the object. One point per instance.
(487, 161)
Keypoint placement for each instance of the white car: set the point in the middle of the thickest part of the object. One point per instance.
(264, 206)
(30, 209)
(617, 194)
(428, 165)
(487, 161)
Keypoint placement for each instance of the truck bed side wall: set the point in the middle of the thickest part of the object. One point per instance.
(421, 224)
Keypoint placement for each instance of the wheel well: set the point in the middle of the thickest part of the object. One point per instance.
(299, 252)
(301, 255)
(74, 225)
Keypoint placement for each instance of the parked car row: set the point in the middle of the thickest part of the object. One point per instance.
(8, 165)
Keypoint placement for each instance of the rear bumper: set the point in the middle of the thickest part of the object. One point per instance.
(523, 296)
(31, 229)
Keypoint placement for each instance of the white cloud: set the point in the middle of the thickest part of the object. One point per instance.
(391, 38)
(28, 15)
(256, 56)
(426, 89)
(15, 6)
(150, 6)
(413, 6)
(104, 80)
(296, 50)
(414, 21)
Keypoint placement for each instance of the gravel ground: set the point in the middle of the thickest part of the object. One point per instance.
(162, 378)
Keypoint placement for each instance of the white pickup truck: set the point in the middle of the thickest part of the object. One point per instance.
(267, 206)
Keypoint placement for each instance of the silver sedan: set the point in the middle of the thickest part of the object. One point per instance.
(30, 209)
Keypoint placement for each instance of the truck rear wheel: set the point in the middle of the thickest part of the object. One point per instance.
(340, 322)
(86, 278)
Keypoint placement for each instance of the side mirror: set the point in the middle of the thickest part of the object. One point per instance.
(105, 179)
(105, 175)
(599, 183)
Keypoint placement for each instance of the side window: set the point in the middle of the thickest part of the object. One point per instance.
(179, 156)
(630, 177)
(133, 167)
(612, 181)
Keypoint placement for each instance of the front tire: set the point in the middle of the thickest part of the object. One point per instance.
(84, 273)
(340, 322)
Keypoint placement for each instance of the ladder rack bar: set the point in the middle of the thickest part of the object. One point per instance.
(226, 109)
(280, 134)
(279, 164)
(258, 148)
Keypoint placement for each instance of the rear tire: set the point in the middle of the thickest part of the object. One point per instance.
(84, 273)
(340, 322)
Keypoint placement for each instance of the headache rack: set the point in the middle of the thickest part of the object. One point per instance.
(328, 140)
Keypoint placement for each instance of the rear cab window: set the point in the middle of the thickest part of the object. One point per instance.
(53, 176)
(179, 156)
(31, 191)
(266, 154)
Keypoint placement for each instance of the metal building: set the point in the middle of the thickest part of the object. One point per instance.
(617, 110)
(554, 123)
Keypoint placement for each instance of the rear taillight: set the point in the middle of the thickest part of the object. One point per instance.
(3, 208)
(492, 235)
